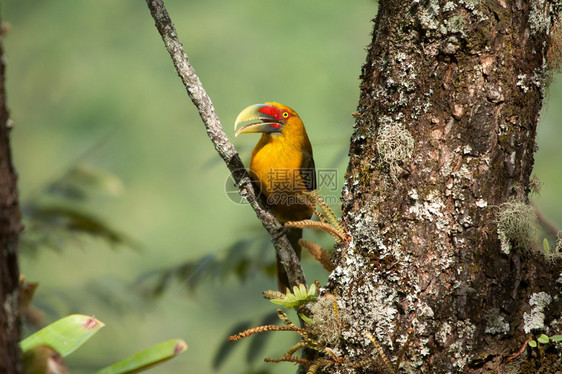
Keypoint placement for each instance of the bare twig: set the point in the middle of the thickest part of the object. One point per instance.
(218, 137)
(519, 352)
(549, 226)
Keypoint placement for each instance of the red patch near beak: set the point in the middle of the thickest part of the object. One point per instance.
(271, 111)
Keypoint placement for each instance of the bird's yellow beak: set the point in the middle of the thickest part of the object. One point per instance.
(258, 118)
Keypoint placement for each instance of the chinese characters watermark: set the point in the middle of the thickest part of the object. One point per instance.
(289, 184)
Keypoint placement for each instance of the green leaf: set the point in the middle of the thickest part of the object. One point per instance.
(99, 179)
(305, 319)
(81, 180)
(556, 338)
(300, 296)
(546, 246)
(72, 220)
(64, 335)
(532, 344)
(149, 357)
(543, 339)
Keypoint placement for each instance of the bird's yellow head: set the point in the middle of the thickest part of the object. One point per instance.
(269, 118)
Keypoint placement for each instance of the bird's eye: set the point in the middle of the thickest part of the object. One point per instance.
(285, 114)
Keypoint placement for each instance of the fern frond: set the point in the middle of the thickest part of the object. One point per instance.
(362, 364)
(273, 295)
(291, 351)
(266, 328)
(319, 254)
(328, 212)
(403, 350)
(338, 236)
(326, 215)
(283, 317)
(299, 297)
(381, 354)
(330, 352)
(321, 216)
(296, 360)
(315, 366)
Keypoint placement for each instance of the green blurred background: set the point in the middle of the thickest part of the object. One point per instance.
(90, 83)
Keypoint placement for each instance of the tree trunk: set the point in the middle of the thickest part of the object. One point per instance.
(10, 227)
(442, 150)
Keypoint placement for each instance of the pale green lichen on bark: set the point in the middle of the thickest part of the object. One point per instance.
(329, 321)
(10, 306)
(535, 319)
(464, 346)
(395, 146)
(495, 322)
(517, 226)
(540, 16)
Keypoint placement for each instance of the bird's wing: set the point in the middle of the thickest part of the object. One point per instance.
(308, 172)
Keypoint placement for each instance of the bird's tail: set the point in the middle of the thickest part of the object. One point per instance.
(282, 278)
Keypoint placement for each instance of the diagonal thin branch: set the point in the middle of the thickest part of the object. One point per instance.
(218, 137)
(548, 226)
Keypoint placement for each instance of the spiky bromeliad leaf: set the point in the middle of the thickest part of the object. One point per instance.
(64, 335)
(300, 296)
(54, 226)
(145, 359)
(82, 180)
(52, 218)
(73, 220)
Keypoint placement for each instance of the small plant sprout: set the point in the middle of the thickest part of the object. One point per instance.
(544, 339)
(546, 246)
(551, 254)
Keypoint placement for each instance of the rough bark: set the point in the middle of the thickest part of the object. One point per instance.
(10, 227)
(445, 134)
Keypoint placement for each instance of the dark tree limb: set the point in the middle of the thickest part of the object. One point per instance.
(10, 227)
(218, 137)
